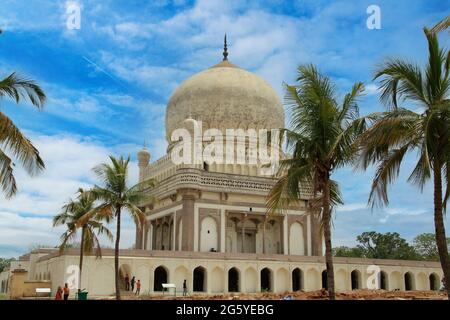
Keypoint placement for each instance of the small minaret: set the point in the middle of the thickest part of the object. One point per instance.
(225, 49)
(143, 161)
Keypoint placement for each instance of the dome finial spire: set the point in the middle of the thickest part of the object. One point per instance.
(225, 49)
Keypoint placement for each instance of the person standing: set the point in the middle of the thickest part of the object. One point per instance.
(138, 287)
(66, 291)
(127, 283)
(133, 281)
(184, 288)
(59, 293)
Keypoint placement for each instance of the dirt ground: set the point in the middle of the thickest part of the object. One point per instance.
(363, 294)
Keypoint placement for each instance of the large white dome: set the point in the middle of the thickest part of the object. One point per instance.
(225, 97)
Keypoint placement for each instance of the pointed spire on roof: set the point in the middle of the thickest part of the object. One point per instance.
(225, 49)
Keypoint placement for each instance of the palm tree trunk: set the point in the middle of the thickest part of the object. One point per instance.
(116, 254)
(327, 236)
(441, 241)
(81, 257)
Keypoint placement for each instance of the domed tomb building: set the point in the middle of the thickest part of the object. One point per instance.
(207, 206)
(208, 225)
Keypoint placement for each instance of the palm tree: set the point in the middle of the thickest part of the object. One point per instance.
(70, 216)
(426, 130)
(321, 138)
(11, 138)
(116, 196)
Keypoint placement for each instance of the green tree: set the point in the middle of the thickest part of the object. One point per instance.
(400, 130)
(71, 216)
(115, 196)
(11, 138)
(4, 263)
(321, 140)
(425, 245)
(348, 252)
(386, 246)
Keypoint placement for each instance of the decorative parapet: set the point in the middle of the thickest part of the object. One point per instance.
(199, 179)
(224, 256)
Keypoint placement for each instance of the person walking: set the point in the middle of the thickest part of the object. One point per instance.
(184, 288)
(66, 291)
(59, 293)
(127, 283)
(132, 283)
(138, 287)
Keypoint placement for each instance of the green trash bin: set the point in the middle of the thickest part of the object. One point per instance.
(82, 295)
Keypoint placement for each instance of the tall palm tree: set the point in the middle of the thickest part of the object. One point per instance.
(71, 215)
(425, 129)
(321, 139)
(11, 138)
(116, 196)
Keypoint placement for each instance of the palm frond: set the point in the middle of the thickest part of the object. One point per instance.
(12, 139)
(400, 79)
(7, 180)
(441, 25)
(387, 171)
(18, 88)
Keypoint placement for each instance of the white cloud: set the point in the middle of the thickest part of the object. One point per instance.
(26, 219)
(371, 89)
(351, 207)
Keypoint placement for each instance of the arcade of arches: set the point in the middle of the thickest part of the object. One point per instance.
(216, 279)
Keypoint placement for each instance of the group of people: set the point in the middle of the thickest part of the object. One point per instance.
(63, 293)
(130, 284)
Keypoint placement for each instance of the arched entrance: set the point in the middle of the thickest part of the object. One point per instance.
(434, 282)
(199, 279)
(160, 277)
(383, 280)
(324, 280)
(266, 280)
(409, 281)
(297, 279)
(233, 280)
(356, 279)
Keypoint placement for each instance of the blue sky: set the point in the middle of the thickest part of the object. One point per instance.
(108, 84)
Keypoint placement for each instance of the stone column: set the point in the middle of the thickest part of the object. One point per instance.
(150, 246)
(264, 237)
(145, 239)
(174, 230)
(243, 234)
(138, 241)
(285, 235)
(187, 216)
(225, 280)
(316, 239)
(161, 227)
(223, 224)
